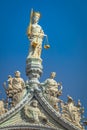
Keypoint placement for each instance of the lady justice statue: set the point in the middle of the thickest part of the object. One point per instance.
(35, 35)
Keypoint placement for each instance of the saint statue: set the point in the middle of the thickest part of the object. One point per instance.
(52, 87)
(52, 90)
(15, 89)
(18, 83)
(35, 34)
(33, 113)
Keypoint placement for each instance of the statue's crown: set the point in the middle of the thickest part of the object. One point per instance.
(36, 14)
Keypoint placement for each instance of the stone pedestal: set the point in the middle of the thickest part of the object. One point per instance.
(34, 71)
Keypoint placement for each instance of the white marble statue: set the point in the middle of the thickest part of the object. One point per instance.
(33, 113)
(52, 90)
(51, 86)
(17, 82)
(16, 88)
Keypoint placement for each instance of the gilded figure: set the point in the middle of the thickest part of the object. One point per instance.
(35, 34)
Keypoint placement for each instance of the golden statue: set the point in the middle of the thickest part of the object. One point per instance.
(35, 34)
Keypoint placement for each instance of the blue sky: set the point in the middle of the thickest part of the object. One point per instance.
(65, 23)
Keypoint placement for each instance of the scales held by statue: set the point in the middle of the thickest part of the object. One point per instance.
(46, 44)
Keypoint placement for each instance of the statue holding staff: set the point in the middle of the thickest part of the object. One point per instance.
(35, 34)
